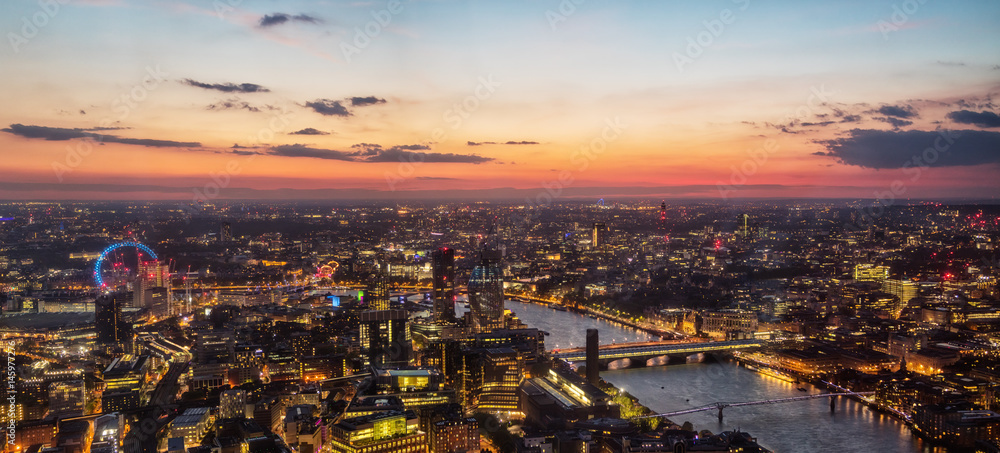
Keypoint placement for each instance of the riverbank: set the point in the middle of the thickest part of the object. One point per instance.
(597, 313)
(632, 408)
(902, 418)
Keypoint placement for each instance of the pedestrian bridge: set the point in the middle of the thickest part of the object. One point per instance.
(646, 350)
(722, 405)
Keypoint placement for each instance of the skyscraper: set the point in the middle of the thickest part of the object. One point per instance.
(226, 232)
(377, 294)
(385, 337)
(486, 292)
(599, 236)
(385, 333)
(151, 275)
(111, 328)
(443, 265)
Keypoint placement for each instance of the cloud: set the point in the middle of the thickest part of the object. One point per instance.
(436, 178)
(366, 149)
(309, 131)
(820, 124)
(896, 149)
(400, 154)
(60, 133)
(227, 87)
(236, 104)
(898, 111)
(850, 119)
(411, 147)
(270, 20)
(372, 153)
(895, 122)
(981, 119)
(327, 107)
(298, 150)
(366, 100)
(511, 142)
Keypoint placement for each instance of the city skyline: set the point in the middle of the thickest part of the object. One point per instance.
(531, 100)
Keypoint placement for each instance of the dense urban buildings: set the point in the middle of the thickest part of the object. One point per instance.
(320, 333)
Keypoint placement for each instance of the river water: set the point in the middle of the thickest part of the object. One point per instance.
(797, 427)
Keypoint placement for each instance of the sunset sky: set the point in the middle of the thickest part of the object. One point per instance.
(106, 99)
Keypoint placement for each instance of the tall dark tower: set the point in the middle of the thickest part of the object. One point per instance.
(663, 214)
(443, 265)
(593, 351)
(486, 292)
(226, 232)
(111, 328)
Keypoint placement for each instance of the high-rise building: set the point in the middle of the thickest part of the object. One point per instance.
(377, 295)
(443, 265)
(149, 275)
(385, 337)
(905, 290)
(226, 232)
(599, 236)
(502, 370)
(593, 352)
(158, 301)
(111, 328)
(486, 292)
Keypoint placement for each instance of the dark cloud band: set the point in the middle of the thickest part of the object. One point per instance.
(898, 149)
(60, 133)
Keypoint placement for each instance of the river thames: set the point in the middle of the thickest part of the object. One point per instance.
(803, 426)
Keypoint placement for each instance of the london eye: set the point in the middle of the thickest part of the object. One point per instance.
(119, 263)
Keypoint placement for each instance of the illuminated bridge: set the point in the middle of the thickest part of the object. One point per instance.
(721, 406)
(647, 350)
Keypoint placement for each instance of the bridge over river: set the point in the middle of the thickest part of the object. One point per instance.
(631, 352)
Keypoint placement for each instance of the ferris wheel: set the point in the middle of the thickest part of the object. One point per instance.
(119, 263)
